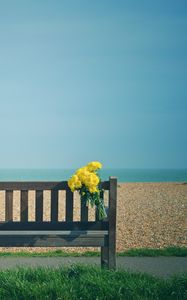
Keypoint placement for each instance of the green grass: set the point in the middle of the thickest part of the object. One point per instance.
(170, 251)
(80, 282)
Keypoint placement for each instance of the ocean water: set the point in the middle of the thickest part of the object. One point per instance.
(123, 175)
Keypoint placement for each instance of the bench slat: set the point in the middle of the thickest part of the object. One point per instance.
(39, 206)
(69, 205)
(52, 241)
(54, 205)
(74, 233)
(24, 206)
(54, 226)
(84, 212)
(9, 205)
(40, 185)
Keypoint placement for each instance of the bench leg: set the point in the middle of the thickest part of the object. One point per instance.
(112, 257)
(108, 257)
(104, 257)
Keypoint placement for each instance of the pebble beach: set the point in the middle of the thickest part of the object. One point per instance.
(149, 215)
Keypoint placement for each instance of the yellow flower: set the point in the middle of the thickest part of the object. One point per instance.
(94, 165)
(91, 179)
(74, 183)
(71, 185)
(82, 174)
(86, 176)
(81, 170)
(74, 178)
(78, 184)
(93, 189)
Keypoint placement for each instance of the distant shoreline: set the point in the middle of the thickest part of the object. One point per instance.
(123, 175)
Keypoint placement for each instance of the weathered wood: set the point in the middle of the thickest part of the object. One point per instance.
(51, 241)
(104, 257)
(4, 226)
(34, 185)
(40, 185)
(67, 233)
(24, 206)
(112, 223)
(69, 205)
(104, 250)
(9, 205)
(84, 212)
(54, 205)
(39, 206)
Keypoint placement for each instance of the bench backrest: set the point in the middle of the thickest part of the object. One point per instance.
(54, 224)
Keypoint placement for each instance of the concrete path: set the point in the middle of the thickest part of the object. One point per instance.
(157, 266)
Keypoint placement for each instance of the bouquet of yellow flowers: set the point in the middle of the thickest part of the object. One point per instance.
(87, 181)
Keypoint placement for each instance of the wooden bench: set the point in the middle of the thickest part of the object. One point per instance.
(56, 233)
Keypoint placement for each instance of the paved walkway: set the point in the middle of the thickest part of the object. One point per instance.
(157, 266)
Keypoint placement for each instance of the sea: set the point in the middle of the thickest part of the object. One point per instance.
(123, 175)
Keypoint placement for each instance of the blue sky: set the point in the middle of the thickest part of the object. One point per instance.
(93, 80)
